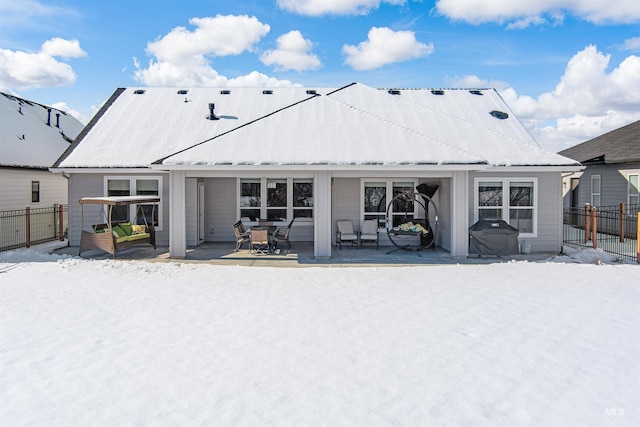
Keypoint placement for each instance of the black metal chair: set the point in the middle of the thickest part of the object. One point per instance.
(283, 237)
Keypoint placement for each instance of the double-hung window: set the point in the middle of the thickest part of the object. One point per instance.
(35, 191)
(275, 199)
(633, 193)
(135, 186)
(378, 193)
(512, 200)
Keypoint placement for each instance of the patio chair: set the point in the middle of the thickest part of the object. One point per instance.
(283, 237)
(369, 232)
(345, 233)
(242, 236)
(259, 241)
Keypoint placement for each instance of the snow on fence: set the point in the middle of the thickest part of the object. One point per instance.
(614, 229)
(24, 227)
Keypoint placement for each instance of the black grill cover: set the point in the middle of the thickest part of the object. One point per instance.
(493, 238)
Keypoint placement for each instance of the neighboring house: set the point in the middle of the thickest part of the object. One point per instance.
(32, 138)
(318, 155)
(612, 169)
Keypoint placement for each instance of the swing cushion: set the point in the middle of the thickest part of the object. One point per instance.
(118, 231)
(126, 232)
(126, 227)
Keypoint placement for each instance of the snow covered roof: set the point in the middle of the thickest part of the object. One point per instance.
(26, 140)
(353, 125)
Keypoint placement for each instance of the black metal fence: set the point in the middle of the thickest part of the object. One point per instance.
(25, 227)
(614, 229)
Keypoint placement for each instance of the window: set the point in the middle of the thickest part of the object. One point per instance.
(633, 194)
(374, 201)
(520, 208)
(35, 191)
(595, 190)
(131, 186)
(284, 198)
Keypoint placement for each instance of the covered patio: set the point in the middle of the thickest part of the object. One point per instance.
(301, 255)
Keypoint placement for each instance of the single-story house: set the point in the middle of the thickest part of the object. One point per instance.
(32, 137)
(612, 170)
(215, 156)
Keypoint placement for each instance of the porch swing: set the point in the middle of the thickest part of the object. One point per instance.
(112, 235)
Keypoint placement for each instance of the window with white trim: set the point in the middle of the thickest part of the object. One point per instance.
(633, 189)
(374, 201)
(284, 198)
(513, 200)
(135, 186)
(35, 191)
(595, 190)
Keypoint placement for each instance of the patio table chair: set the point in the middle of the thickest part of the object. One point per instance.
(283, 237)
(242, 236)
(260, 241)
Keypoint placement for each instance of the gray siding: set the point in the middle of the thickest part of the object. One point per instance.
(549, 232)
(613, 183)
(220, 212)
(345, 202)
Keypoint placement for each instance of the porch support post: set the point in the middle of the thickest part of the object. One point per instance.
(177, 215)
(322, 216)
(460, 214)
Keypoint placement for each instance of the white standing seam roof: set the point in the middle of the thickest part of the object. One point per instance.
(354, 125)
(25, 138)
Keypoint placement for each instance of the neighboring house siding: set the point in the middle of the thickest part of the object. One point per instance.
(613, 182)
(15, 190)
(91, 185)
(548, 237)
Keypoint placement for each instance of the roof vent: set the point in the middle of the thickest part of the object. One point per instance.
(138, 91)
(183, 92)
(437, 92)
(311, 92)
(476, 92)
(212, 115)
(267, 92)
(225, 92)
(49, 117)
(393, 92)
(499, 114)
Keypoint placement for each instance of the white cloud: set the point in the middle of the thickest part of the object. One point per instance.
(292, 53)
(384, 46)
(181, 57)
(63, 48)
(219, 36)
(333, 7)
(588, 101)
(21, 70)
(524, 13)
(632, 44)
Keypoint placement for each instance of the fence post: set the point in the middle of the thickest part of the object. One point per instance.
(28, 227)
(594, 227)
(622, 218)
(61, 220)
(638, 237)
(587, 222)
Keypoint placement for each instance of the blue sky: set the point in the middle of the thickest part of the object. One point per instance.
(569, 69)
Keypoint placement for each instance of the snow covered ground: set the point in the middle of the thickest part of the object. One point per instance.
(103, 342)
